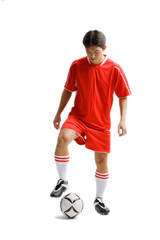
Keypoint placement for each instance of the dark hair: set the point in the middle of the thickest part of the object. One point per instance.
(94, 38)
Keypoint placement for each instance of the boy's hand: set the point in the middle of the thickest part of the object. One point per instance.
(122, 130)
(56, 121)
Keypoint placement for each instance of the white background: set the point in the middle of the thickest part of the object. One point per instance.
(38, 41)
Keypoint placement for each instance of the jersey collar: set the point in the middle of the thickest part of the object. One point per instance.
(100, 64)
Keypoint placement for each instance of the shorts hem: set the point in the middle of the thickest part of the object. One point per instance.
(75, 132)
(102, 152)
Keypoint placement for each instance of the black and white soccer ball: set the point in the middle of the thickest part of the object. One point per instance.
(71, 205)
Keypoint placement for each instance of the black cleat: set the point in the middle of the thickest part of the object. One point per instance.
(60, 188)
(100, 207)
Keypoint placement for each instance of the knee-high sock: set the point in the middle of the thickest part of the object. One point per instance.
(101, 182)
(61, 164)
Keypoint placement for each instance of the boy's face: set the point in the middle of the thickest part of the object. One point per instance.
(95, 54)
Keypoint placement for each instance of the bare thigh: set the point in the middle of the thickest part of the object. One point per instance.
(64, 138)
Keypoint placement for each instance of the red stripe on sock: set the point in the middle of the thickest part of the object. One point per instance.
(102, 175)
(61, 161)
(61, 157)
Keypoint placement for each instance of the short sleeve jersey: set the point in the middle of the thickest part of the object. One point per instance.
(95, 86)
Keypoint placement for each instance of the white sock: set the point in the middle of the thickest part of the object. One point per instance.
(61, 164)
(101, 182)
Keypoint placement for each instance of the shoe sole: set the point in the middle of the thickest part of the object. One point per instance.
(63, 189)
(100, 212)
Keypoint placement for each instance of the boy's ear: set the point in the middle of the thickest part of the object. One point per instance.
(105, 47)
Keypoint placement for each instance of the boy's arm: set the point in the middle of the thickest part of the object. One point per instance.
(122, 130)
(63, 102)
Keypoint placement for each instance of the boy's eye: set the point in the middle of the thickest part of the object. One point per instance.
(96, 52)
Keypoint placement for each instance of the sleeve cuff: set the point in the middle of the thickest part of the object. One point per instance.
(69, 90)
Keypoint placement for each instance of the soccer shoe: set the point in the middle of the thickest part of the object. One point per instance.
(100, 207)
(60, 188)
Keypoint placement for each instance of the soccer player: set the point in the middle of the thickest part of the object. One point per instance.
(95, 78)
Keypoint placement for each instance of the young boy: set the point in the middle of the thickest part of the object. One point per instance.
(95, 78)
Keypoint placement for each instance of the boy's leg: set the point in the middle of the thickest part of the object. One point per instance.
(101, 177)
(101, 174)
(62, 158)
(101, 160)
(61, 152)
(64, 138)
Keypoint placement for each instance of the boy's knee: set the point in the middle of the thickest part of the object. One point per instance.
(62, 139)
(101, 159)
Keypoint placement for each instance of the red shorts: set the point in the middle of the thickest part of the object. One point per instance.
(96, 140)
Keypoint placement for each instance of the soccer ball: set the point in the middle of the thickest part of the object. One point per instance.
(71, 205)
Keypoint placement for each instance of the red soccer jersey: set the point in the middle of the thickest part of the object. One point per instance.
(95, 86)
